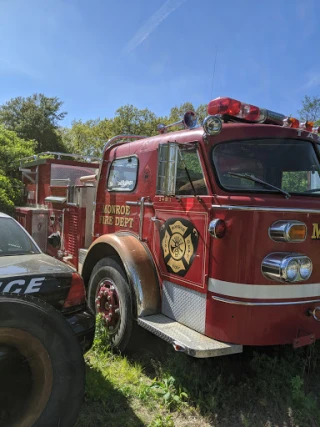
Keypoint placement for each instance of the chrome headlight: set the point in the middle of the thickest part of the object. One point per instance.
(286, 267)
(290, 269)
(305, 268)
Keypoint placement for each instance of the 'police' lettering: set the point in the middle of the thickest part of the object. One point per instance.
(17, 286)
(34, 285)
(14, 283)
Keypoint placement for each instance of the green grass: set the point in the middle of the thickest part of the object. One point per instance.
(157, 387)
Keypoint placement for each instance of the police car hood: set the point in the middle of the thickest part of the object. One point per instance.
(35, 264)
(38, 275)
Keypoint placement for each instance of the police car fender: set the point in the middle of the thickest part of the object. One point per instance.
(21, 286)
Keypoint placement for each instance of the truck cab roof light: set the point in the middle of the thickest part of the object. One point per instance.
(308, 126)
(232, 107)
(291, 122)
(235, 110)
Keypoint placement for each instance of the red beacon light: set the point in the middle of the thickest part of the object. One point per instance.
(241, 111)
(232, 110)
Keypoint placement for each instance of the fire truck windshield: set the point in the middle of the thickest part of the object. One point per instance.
(290, 166)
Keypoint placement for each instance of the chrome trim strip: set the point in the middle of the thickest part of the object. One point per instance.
(264, 209)
(141, 217)
(130, 203)
(232, 301)
(264, 292)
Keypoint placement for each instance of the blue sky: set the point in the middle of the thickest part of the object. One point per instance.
(97, 55)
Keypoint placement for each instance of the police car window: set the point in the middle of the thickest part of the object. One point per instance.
(291, 165)
(14, 240)
(123, 174)
(190, 159)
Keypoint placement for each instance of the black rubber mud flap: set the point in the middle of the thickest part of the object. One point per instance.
(42, 371)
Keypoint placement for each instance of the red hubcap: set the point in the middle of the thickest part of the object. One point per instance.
(107, 304)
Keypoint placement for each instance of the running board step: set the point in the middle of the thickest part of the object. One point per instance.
(185, 339)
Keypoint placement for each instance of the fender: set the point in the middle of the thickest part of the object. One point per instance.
(138, 264)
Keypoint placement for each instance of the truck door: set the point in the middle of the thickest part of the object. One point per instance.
(180, 242)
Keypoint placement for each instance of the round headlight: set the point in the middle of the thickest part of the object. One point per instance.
(292, 270)
(212, 125)
(305, 268)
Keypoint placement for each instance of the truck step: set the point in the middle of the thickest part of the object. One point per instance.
(185, 339)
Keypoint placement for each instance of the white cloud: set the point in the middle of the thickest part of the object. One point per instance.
(313, 80)
(151, 24)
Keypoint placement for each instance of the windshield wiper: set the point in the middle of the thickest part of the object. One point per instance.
(188, 173)
(260, 181)
(313, 190)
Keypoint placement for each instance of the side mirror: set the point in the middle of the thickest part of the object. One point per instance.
(167, 168)
(55, 240)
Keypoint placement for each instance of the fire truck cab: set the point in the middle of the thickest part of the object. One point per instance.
(207, 236)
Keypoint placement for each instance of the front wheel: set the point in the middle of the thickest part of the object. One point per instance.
(110, 296)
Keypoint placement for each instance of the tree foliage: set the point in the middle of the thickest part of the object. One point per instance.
(310, 109)
(12, 148)
(89, 137)
(35, 118)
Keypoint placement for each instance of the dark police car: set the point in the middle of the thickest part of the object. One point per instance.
(25, 270)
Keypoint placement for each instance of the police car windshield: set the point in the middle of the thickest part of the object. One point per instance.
(289, 165)
(14, 240)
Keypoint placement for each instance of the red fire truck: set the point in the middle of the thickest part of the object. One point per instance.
(206, 236)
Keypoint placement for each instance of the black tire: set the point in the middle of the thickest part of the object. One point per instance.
(52, 365)
(126, 330)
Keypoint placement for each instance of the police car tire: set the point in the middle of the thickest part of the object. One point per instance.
(45, 324)
(109, 268)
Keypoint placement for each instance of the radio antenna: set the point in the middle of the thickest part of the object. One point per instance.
(214, 70)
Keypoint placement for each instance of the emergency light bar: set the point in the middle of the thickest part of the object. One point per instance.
(240, 111)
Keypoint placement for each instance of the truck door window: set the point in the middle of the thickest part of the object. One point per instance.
(123, 174)
(190, 159)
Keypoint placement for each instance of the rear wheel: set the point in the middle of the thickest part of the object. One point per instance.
(42, 372)
(110, 296)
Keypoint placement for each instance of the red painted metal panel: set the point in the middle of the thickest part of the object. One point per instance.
(259, 325)
(74, 232)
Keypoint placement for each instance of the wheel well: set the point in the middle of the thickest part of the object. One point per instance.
(101, 250)
(138, 265)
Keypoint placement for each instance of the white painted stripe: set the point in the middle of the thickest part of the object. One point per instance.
(284, 291)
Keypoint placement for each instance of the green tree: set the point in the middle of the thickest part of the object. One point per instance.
(202, 113)
(12, 148)
(90, 137)
(176, 113)
(310, 109)
(132, 120)
(87, 138)
(35, 118)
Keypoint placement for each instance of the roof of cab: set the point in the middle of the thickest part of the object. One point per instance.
(3, 215)
(230, 131)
